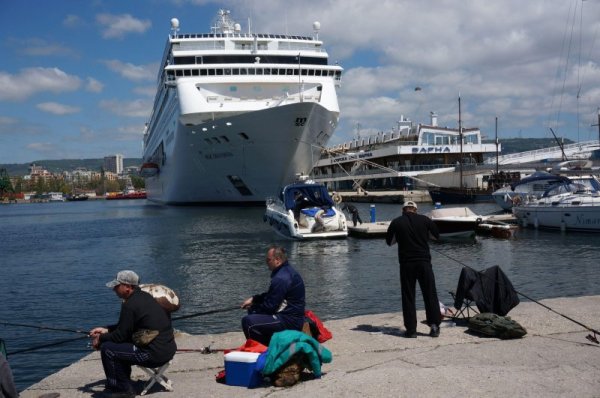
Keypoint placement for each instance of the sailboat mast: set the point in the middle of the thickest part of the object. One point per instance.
(496, 145)
(460, 137)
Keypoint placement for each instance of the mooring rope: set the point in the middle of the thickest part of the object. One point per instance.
(591, 338)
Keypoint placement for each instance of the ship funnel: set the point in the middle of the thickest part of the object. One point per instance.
(434, 117)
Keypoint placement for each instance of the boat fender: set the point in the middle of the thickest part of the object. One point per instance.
(337, 198)
(165, 296)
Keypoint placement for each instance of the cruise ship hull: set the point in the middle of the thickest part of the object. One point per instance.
(240, 159)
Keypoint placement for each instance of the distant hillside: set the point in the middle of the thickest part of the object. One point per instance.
(513, 145)
(58, 166)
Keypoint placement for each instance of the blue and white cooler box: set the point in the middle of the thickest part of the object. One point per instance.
(240, 369)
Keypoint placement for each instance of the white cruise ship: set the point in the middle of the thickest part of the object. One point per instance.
(237, 116)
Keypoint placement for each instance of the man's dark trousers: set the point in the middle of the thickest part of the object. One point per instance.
(410, 273)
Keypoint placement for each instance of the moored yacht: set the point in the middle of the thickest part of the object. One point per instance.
(237, 115)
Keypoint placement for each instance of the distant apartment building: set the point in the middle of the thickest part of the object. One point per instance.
(114, 164)
(37, 173)
(110, 176)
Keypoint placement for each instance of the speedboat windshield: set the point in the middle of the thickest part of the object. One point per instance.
(314, 194)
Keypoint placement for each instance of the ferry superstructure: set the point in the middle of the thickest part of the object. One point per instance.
(237, 115)
(414, 154)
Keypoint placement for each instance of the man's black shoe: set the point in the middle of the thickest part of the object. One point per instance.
(435, 331)
(410, 334)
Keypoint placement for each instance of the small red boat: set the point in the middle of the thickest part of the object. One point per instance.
(127, 194)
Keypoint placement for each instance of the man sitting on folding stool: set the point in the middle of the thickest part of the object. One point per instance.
(143, 336)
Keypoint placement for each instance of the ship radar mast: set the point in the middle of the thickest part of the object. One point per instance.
(316, 29)
(174, 26)
(224, 24)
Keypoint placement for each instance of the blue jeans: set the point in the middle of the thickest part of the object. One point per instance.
(117, 359)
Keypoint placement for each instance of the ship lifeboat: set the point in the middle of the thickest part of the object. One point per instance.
(149, 170)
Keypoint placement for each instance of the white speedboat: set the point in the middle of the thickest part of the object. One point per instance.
(305, 210)
(237, 115)
(568, 207)
(455, 222)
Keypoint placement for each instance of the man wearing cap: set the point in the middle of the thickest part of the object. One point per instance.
(412, 231)
(139, 312)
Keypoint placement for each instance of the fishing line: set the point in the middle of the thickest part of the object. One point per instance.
(42, 327)
(591, 338)
(47, 345)
(205, 313)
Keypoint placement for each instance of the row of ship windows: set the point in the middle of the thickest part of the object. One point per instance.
(247, 59)
(241, 35)
(171, 74)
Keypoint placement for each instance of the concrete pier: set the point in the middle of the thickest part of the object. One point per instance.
(398, 197)
(371, 359)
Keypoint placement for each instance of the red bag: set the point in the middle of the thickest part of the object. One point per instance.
(249, 346)
(323, 334)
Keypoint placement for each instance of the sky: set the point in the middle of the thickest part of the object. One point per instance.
(77, 78)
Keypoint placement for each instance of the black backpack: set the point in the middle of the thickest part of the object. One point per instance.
(494, 325)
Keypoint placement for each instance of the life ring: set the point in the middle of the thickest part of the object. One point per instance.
(516, 200)
(478, 220)
(337, 198)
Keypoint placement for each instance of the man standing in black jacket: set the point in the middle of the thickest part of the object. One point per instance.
(411, 232)
(119, 348)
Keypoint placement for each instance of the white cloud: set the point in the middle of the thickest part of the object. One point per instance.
(72, 21)
(36, 47)
(133, 72)
(507, 59)
(42, 147)
(135, 108)
(93, 85)
(57, 109)
(5, 121)
(30, 81)
(132, 132)
(147, 91)
(117, 26)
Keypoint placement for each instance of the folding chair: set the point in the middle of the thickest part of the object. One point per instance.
(489, 289)
(157, 375)
(466, 308)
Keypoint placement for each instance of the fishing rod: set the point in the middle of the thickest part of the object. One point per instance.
(205, 350)
(205, 313)
(593, 338)
(47, 345)
(42, 327)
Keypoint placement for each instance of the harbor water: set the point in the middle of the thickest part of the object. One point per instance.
(57, 257)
